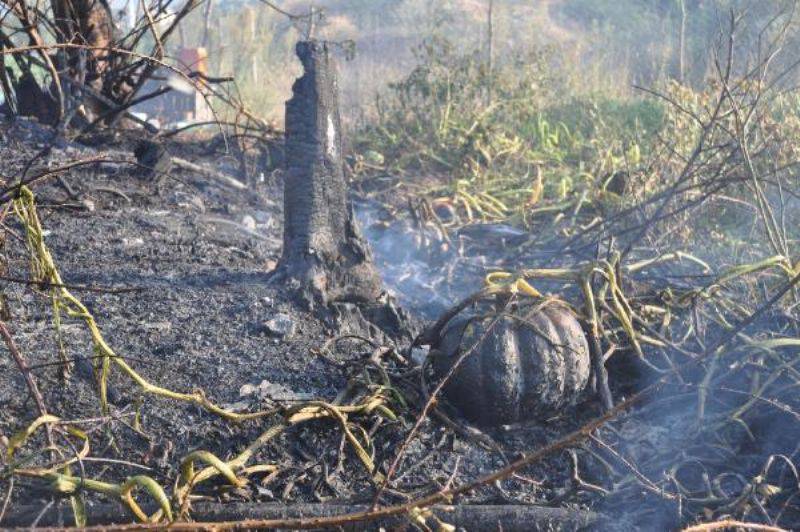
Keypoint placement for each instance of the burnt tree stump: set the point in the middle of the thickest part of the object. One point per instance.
(324, 253)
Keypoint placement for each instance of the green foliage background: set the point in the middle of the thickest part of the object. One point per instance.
(544, 125)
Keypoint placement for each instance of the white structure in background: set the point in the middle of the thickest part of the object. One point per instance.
(183, 103)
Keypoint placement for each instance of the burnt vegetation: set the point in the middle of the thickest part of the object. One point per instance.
(350, 265)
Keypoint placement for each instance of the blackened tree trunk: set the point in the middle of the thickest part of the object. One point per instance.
(323, 250)
(88, 26)
(89, 23)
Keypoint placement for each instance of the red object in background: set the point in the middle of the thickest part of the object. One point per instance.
(194, 60)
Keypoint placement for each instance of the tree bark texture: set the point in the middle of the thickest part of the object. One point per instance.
(322, 247)
(87, 23)
(90, 23)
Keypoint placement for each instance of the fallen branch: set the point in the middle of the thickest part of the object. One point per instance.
(214, 174)
(241, 516)
(26, 373)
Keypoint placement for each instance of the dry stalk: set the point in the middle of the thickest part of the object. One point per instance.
(733, 524)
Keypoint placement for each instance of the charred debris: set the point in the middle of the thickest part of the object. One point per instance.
(256, 329)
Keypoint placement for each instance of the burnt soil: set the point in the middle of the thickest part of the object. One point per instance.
(192, 258)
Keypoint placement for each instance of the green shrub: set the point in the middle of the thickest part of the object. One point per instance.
(509, 141)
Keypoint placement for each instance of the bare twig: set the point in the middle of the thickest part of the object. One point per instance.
(23, 368)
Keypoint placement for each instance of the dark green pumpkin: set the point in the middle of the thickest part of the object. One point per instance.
(534, 362)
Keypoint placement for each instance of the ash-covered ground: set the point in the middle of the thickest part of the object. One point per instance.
(175, 269)
(178, 269)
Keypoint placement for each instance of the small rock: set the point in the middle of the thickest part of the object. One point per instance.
(265, 492)
(249, 222)
(88, 205)
(273, 391)
(282, 326)
(132, 242)
(239, 406)
(279, 392)
(247, 390)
